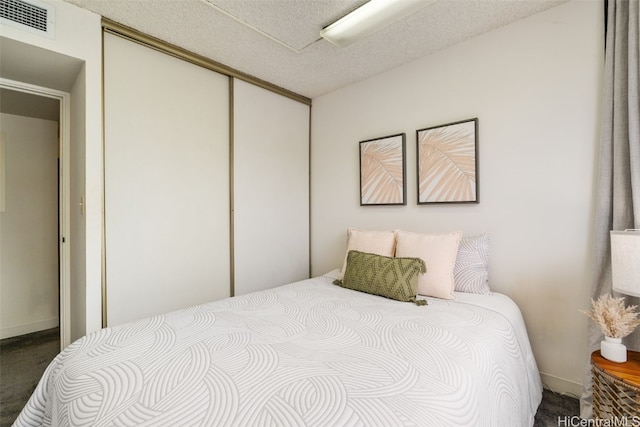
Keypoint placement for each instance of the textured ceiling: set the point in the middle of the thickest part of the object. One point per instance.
(278, 41)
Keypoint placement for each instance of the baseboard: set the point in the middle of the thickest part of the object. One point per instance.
(28, 328)
(561, 385)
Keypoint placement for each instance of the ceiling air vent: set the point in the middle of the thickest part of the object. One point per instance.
(34, 16)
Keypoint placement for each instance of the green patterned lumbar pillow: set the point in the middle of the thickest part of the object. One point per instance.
(395, 278)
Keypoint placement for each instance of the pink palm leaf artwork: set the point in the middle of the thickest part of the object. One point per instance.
(447, 163)
(382, 171)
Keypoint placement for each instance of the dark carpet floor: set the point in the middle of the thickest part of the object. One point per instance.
(23, 360)
(556, 407)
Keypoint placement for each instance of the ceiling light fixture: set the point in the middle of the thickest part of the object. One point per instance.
(368, 18)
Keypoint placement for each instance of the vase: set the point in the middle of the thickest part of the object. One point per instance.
(613, 349)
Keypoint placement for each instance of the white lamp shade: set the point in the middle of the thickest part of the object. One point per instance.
(625, 262)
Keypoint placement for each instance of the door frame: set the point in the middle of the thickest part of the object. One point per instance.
(64, 205)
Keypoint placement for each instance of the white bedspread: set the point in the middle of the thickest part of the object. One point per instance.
(305, 354)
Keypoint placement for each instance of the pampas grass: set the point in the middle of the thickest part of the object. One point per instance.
(612, 317)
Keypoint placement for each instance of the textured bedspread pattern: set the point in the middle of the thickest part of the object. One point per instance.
(305, 354)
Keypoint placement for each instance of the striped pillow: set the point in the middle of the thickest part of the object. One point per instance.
(471, 270)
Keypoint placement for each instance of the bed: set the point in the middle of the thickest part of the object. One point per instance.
(308, 353)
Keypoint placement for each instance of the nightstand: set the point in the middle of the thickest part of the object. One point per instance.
(616, 387)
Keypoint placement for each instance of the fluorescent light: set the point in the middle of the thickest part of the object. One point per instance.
(625, 261)
(369, 18)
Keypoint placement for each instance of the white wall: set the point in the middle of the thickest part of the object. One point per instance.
(534, 86)
(78, 38)
(29, 226)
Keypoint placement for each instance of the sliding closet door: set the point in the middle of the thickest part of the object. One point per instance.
(167, 222)
(271, 189)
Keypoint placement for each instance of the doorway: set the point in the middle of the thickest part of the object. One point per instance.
(34, 209)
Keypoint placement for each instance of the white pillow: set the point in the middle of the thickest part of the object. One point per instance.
(438, 251)
(471, 272)
(370, 241)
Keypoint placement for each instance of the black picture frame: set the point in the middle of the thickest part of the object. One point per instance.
(447, 163)
(383, 171)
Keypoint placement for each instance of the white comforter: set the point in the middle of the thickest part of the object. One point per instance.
(305, 354)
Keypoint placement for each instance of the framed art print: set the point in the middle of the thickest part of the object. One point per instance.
(448, 163)
(382, 171)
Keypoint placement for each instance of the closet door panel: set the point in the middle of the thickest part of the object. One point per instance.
(271, 189)
(167, 225)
